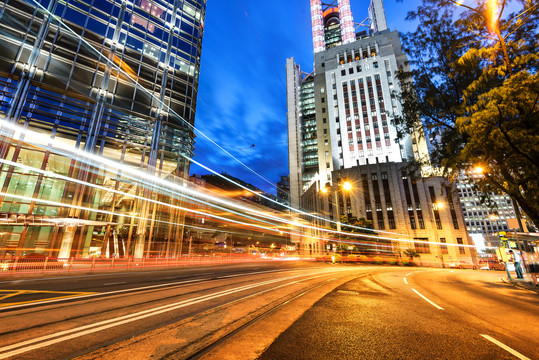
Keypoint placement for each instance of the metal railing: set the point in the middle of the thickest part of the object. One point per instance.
(22, 265)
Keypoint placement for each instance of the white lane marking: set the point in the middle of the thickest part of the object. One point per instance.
(131, 289)
(258, 272)
(408, 274)
(405, 281)
(105, 293)
(116, 283)
(61, 336)
(428, 300)
(505, 347)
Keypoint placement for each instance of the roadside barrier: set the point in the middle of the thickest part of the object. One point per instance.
(44, 264)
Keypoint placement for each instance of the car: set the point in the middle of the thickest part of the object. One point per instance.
(491, 265)
(462, 265)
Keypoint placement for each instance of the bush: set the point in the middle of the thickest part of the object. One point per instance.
(405, 262)
(363, 258)
(352, 258)
(378, 260)
(392, 261)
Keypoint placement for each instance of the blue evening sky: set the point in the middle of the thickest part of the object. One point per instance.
(242, 93)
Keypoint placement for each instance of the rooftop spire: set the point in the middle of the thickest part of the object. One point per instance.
(377, 15)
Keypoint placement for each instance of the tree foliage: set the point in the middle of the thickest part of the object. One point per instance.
(411, 253)
(354, 225)
(476, 88)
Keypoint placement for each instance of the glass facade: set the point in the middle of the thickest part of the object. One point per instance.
(94, 93)
(309, 140)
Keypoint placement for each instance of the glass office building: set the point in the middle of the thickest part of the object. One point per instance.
(97, 105)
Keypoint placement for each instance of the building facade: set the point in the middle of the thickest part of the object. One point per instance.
(406, 210)
(340, 130)
(339, 116)
(483, 220)
(114, 79)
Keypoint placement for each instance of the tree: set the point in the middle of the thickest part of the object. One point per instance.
(356, 225)
(411, 253)
(476, 88)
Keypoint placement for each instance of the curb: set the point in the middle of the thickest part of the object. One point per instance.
(521, 286)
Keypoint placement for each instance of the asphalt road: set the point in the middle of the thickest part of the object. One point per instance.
(417, 314)
(274, 310)
(179, 310)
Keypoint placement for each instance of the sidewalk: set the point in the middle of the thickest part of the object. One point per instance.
(526, 283)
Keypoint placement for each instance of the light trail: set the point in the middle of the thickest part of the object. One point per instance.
(61, 336)
(54, 203)
(40, 139)
(372, 236)
(110, 190)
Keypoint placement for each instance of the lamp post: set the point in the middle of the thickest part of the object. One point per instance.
(346, 186)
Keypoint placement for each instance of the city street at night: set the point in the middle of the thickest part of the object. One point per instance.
(269, 180)
(273, 310)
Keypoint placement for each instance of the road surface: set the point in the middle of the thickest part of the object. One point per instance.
(274, 310)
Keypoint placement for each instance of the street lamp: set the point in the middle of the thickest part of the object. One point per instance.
(479, 170)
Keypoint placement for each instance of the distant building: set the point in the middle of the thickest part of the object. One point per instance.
(411, 212)
(236, 188)
(283, 190)
(483, 221)
(339, 116)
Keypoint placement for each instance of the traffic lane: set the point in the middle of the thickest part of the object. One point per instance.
(371, 318)
(180, 340)
(118, 280)
(102, 304)
(98, 332)
(508, 314)
(18, 299)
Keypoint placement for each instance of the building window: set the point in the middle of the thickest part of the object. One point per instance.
(462, 250)
(413, 226)
(422, 245)
(443, 248)
(343, 72)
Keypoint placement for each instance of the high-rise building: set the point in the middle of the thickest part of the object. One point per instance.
(283, 191)
(339, 116)
(340, 131)
(483, 220)
(116, 79)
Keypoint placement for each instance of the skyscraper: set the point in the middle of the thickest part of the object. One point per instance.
(339, 116)
(116, 79)
(345, 161)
